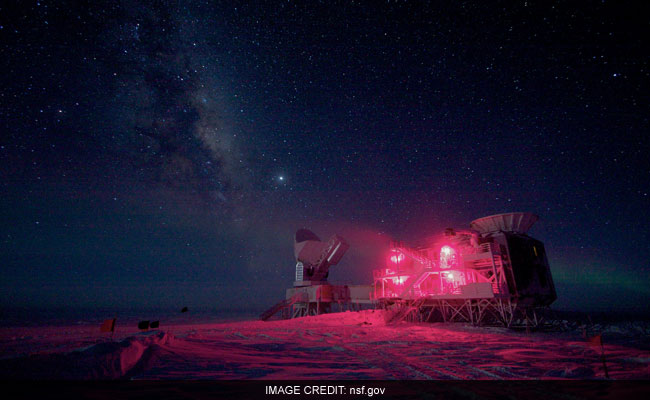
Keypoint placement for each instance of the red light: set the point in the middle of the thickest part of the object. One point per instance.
(447, 257)
(397, 257)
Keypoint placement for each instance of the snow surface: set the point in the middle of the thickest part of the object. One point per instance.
(350, 345)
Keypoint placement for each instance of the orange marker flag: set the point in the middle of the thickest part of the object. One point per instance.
(108, 325)
(595, 341)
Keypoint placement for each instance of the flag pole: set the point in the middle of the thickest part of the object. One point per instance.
(602, 357)
(113, 327)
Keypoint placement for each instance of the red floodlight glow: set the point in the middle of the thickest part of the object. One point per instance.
(397, 257)
(448, 257)
(399, 280)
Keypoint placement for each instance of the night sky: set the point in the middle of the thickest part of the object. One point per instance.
(163, 153)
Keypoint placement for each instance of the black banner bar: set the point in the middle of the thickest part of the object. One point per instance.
(297, 389)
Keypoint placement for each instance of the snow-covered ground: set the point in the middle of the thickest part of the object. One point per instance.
(347, 345)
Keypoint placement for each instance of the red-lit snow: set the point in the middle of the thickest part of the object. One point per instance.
(347, 345)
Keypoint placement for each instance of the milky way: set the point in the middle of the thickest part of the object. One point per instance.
(160, 152)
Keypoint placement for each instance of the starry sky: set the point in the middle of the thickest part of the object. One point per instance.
(163, 153)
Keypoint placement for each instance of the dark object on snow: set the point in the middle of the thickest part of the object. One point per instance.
(184, 309)
(143, 325)
(154, 324)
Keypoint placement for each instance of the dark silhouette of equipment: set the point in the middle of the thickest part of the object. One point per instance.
(311, 294)
(143, 325)
(314, 257)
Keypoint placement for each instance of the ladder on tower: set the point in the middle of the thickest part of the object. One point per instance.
(498, 270)
(489, 263)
